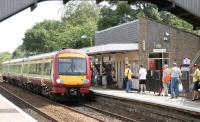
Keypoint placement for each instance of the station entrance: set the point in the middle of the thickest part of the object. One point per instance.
(156, 61)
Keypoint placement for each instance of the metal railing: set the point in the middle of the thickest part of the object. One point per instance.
(196, 59)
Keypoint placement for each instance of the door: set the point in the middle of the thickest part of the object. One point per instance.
(156, 61)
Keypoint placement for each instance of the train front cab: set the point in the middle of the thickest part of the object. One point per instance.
(71, 74)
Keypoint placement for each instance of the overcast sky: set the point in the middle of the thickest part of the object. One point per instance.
(12, 30)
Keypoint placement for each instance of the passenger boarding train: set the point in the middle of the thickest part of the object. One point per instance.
(58, 74)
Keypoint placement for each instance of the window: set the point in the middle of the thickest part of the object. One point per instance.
(47, 68)
(72, 66)
(38, 68)
(25, 68)
(157, 60)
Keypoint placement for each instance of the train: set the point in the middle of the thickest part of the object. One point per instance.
(57, 75)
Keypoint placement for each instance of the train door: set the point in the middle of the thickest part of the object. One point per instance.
(156, 62)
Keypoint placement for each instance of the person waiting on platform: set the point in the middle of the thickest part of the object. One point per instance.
(114, 81)
(104, 78)
(175, 75)
(128, 73)
(196, 76)
(142, 78)
(166, 77)
(95, 76)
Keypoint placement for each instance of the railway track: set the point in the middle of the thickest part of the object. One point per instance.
(83, 109)
(48, 102)
(24, 104)
(120, 117)
(98, 110)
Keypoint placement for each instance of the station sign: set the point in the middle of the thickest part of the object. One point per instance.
(159, 50)
(106, 58)
(186, 61)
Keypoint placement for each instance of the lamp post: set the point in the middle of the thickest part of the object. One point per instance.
(85, 37)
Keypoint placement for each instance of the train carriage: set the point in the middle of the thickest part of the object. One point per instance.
(57, 74)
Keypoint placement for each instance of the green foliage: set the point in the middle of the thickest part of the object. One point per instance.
(80, 18)
(4, 56)
(175, 21)
(19, 52)
(42, 37)
(111, 17)
(83, 18)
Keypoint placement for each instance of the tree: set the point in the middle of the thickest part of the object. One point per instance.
(4, 56)
(170, 19)
(19, 52)
(80, 20)
(111, 17)
(47, 36)
(42, 37)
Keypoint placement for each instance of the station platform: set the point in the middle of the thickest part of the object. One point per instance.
(150, 97)
(11, 113)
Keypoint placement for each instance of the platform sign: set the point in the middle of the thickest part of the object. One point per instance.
(186, 61)
(159, 50)
(106, 59)
(186, 68)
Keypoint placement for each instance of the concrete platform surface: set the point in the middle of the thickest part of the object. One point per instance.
(11, 113)
(150, 97)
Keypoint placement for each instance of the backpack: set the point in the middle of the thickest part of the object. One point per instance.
(168, 76)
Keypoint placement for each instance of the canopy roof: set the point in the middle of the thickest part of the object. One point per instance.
(108, 48)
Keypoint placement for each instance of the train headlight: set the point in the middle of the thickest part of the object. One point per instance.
(58, 81)
(86, 81)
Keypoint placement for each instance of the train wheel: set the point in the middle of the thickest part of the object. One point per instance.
(45, 91)
(52, 97)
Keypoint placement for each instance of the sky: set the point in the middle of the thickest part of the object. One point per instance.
(12, 30)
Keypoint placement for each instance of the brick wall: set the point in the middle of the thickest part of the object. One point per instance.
(180, 45)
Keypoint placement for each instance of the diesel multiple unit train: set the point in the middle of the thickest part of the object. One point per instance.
(57, 75)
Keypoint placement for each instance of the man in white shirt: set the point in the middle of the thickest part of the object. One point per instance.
(175, 79)
(142, 78)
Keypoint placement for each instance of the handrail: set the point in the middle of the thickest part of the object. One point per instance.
(195, 58)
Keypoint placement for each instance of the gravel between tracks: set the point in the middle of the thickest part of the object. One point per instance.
(52, 109)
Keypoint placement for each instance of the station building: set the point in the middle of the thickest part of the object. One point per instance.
(144, 42)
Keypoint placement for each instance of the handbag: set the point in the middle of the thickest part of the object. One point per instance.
(180, 87)
(199, 84)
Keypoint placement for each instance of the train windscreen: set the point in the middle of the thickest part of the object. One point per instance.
(72, 66)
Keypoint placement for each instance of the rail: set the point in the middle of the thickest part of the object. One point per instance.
(51, 102)
(126, 119)
(30, 105)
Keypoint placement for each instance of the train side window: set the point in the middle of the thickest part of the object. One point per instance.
(47, 68)
(38, 68)
(32, 68)
(25, 68)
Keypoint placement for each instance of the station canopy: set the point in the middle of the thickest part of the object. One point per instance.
(110, 48)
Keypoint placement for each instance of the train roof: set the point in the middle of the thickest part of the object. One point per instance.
(14, 61)
(41, 56)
